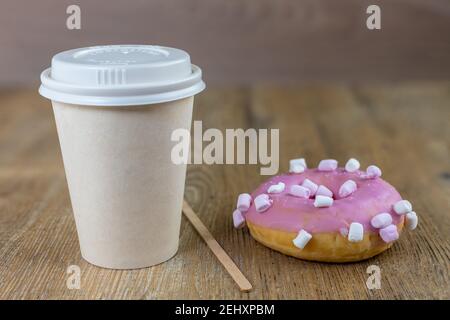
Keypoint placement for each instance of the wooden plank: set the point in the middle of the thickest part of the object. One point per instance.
(402, 128)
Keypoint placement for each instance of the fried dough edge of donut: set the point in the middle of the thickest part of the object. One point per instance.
(323, 247)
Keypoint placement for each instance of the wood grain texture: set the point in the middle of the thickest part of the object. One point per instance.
(241, 41)
(403, 128)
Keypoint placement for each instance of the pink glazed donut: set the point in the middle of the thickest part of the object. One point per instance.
(326, 214)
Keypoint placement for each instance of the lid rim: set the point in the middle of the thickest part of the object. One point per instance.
(47, 80)
(149, 94)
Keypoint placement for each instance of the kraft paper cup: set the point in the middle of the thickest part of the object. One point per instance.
(115, 136)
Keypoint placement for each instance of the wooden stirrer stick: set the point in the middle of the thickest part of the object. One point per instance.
(230, 266)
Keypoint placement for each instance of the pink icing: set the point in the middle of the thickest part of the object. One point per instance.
(291, 214)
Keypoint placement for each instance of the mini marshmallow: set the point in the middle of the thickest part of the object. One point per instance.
(238, 219)
(299, 191)
(356, 232)
(262, 202)
(411, 220)
(323, 201)
(347, 188)
(276, 188)
(352, 165)
(243, 202)
(302, 239)
(402, 207)
(373, 172)
(297, 165)
(381, 220)
(311, 186)
(327, 165)
(324, 191)
(389, 233)
(300, 161)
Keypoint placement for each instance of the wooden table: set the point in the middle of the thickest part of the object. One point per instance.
(403, 128)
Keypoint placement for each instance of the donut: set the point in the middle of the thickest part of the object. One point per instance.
(326, 214)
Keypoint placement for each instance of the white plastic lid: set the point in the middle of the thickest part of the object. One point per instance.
(120, 75)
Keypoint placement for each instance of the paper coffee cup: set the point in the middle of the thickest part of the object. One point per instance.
(115, 109)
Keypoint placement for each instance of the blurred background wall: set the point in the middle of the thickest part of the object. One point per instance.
(241, 42)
